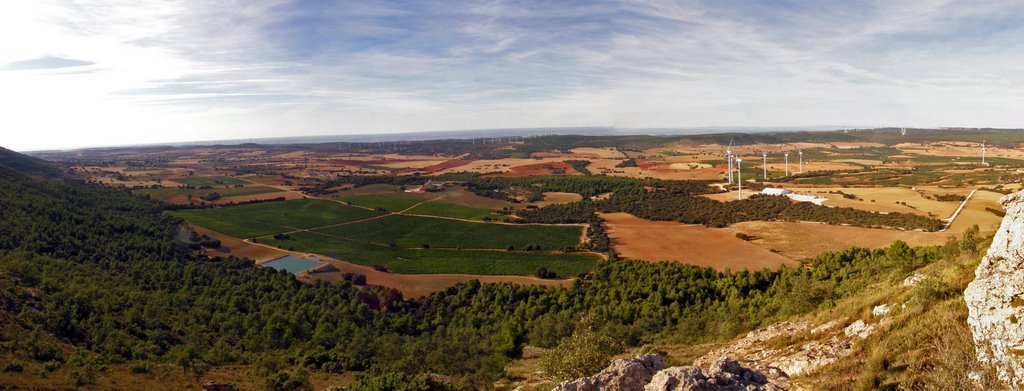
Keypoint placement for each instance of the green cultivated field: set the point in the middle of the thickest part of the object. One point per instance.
(392, 203)
(412, 231)
(396, 241)
(269, 218)
(435, 261)
(210, 181)
(444, 209)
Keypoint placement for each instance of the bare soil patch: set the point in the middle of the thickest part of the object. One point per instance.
(974, 213)
(548, 168)
(601, 153)
(445, 165)
(231, 245)
(799, 240)
(554, 197)
(637, 238)
(418, 285)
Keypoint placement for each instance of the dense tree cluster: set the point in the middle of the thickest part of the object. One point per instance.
(665, 205)
(509, 188)
(627, 163)
(572, 213)
(579, 165)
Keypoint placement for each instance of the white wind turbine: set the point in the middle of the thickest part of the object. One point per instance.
(728, 157)
(787, 163)
(764, 155)
(983, 153)
(739, 180)
(801, 161)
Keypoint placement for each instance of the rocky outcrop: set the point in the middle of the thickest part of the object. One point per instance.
(995, 299)
(755, 362)
(648, 373)
(625, 374)
(724, 374)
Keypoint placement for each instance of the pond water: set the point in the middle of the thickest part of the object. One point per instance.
(292, 264)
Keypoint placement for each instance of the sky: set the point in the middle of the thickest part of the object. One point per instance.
(102, 72)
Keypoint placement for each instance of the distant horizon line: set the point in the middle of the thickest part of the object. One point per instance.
(498, 132)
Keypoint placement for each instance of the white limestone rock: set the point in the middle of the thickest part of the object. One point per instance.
(995, 299)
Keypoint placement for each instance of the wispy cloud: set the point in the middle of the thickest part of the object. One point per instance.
(103, 71)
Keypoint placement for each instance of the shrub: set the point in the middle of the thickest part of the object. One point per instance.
(14, 367)
(543, 272)
(141, 367)
(285, 381)
(585, 352)
(51, 365)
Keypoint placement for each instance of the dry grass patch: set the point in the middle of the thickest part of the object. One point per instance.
(601, 153)
(636, 238)
(799, 240)
(883, 199)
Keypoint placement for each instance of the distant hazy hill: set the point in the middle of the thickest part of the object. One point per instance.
(27, 164)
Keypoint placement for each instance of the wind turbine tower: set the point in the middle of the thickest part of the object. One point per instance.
(983, 153)
(787, 163)
(764, 155)
(739, 181)
(801, 161)
(729, 157)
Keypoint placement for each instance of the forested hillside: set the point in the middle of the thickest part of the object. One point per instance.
(108, 278)
(27, 164)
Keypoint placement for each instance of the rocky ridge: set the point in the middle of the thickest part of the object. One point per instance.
(750, 363)
(648, 373)
(995, 299)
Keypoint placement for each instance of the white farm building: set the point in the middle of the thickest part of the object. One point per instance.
(777, 191)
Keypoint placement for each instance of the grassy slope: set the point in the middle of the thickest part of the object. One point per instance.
(928, 346)
(269, 218)
(27, 164)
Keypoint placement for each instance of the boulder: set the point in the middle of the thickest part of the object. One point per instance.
(622, 375)
(995, 299)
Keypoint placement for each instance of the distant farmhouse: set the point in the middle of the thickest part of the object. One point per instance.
(430, 186)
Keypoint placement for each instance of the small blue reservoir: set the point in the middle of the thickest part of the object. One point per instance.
(292, 264)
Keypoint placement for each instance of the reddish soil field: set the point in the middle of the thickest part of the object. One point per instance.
(440, 166)
(550, 168)
(347, 162)
(637, 238)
